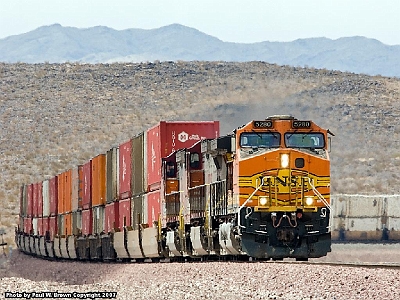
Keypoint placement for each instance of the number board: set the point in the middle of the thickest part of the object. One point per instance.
(263, 124)
(301, 124)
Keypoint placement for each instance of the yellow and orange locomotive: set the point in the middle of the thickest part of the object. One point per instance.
(282, 181)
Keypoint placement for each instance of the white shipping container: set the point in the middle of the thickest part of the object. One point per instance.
(46, 198)
(35, 226)
(98, 219)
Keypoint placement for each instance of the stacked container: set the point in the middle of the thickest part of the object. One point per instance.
(86, 185)
(98, 192)
(122, 207)
(138, 180)
(162, 140)
(64, 220)
(112, 190)
(53, 199)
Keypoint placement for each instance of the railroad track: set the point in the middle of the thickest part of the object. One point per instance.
(384, 265)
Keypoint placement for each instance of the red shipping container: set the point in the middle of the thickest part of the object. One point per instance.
(53, 190)
(125, 171)
(80, 190)
(111, 216)
(153, 207)
(124, 208)
(29, 211)
(53, 228)
(22, 206)
(39, 226)
(40, 198)
(167, 137)
(35, 200)
(43, 226)
(87, 185)
(87, 221)
(28, 225)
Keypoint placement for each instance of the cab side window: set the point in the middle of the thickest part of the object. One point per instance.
(194, 160)
(171, 171)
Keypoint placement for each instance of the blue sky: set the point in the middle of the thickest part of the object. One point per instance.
(229, 20)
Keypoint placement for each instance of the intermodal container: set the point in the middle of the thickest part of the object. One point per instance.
(87, 185)
(68, 223)
(40, 226)
(53, 190)
(99, 180)
(124, 208)
(28, 225)
(35, 226)
(125, 171)
(53, 229)
(111, 216)
(21, 224)
(98, 219)
(40, 198)
(43, 226)
(23, 201)
(64, 223)
(64, 192)
(76, 222)
(35, 200)
(166, 137)
(80, 191)
(46, 198)
(68, 192)
(60, 224)
(153, 207)
(60, 194)
(87, 222)
(139, 211)
(139, 164)
(74, 189)
(112, 174)
(29, 205)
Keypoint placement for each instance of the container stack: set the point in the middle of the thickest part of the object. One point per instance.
(115, 196)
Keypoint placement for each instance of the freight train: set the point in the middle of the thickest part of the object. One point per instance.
(179, 190)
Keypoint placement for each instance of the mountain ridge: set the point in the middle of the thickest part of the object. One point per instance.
(101, 44)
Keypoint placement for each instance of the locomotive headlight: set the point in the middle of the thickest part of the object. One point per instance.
(263, 201)
(309, 201)
(284, 160)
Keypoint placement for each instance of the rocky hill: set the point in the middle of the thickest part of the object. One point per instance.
(58, 44)
(55, 116)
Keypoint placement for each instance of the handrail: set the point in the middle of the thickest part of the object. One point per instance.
(320, 197)
(248, 199)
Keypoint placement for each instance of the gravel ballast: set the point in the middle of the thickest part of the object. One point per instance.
(209, 280)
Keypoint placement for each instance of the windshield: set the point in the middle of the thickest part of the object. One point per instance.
(260, 139)
(313, 140)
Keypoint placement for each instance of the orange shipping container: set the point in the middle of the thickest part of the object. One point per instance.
(68, 224)
(60, 192)
(68, 191)
(99, 180)
(64, 192)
